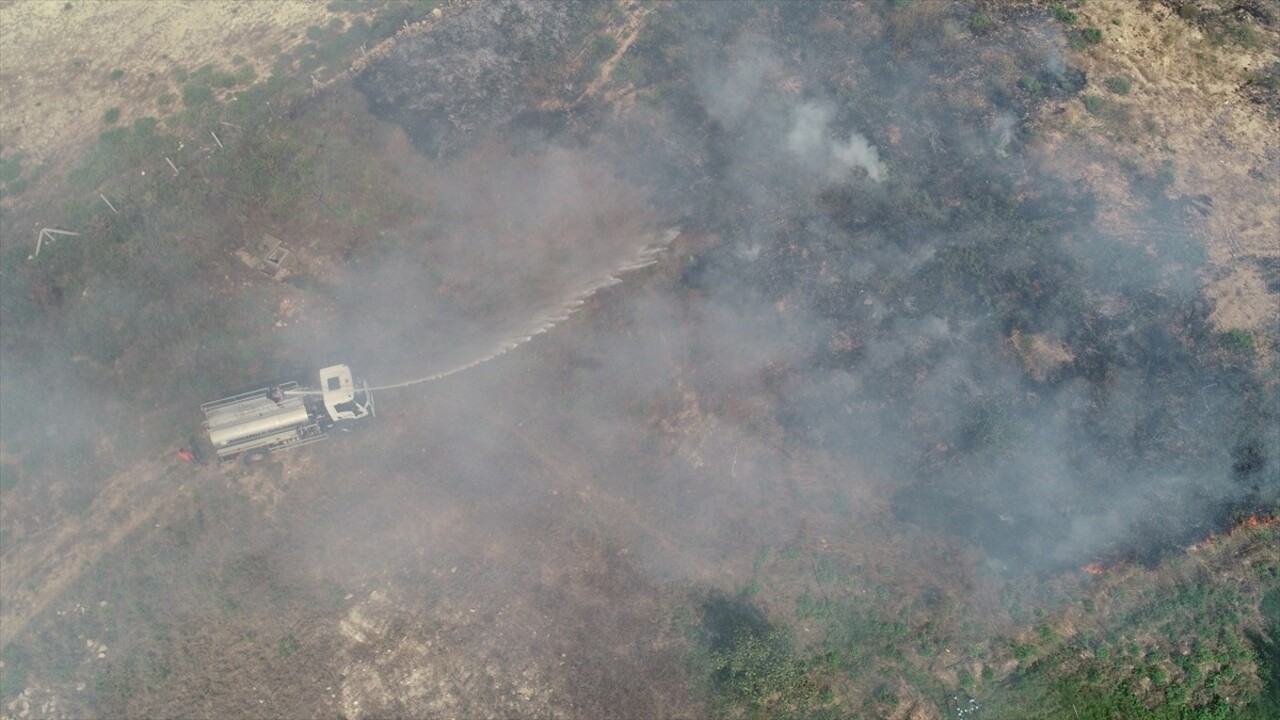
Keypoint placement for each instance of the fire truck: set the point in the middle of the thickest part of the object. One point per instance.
(254, 424)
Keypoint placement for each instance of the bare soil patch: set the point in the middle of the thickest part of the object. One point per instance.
(1184, 116)
(59, 58)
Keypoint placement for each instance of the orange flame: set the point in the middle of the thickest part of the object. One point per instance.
(1254, 521)
(1094, 568)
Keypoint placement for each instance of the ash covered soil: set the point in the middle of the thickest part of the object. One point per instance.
(949, 318)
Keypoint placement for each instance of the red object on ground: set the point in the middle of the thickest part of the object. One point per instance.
(187, 455)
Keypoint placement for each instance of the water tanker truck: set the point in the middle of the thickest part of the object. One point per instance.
(253, 424)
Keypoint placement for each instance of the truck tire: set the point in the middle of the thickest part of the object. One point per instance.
(254, 456)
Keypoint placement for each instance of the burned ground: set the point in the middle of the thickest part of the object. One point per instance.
(845, 450)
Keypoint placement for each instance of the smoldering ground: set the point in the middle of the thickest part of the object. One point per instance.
(884, 259)
(879, 303)
(869, 270)
(882, 312)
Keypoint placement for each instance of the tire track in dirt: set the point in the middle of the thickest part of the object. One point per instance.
(38, 572)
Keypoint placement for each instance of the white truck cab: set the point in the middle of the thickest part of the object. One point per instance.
(339, 392)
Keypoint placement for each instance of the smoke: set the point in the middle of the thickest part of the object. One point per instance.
(879, 312)
(809, 140)
(952, 334)
(728, 90)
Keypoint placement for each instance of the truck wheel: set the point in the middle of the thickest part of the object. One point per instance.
(254, 456)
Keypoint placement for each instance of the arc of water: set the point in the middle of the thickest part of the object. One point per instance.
(645, 257)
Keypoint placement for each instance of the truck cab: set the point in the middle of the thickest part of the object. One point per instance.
(338, 389)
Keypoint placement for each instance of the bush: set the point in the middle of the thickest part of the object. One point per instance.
(1092, 35)
(758, 668)
(629, 71)
(117, 74)
(603, 47)
(1237, 341)
(111, 116)
(287, 646)
(980, 24)
(11, 167)
(1093, 103)
(1119, 85)
(196, 94)
(221, 79)
(1060, 12)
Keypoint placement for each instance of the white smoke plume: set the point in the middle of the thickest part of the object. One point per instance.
(810, 141)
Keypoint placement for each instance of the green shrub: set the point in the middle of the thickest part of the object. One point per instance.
(166, 99)
(1060, 12)
(1237, 341)
(1093, 103)
(11, 167)
(196, 95)
(222, 79)
(629, 71)
(17, 663)
(111, 115)
(145, 128)
(1270, 607)
(758, 669)
(980, 23)
(603, 47)
(287, 646)
(117, 74)
(1119, 85)
(1092, 35)
(1244, 35)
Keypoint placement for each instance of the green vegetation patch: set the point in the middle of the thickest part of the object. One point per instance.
(1119, 84)
(980, 23)
(197, 94)
(1237, 341)
(749, 663)
(11, 167)
(1060, 12)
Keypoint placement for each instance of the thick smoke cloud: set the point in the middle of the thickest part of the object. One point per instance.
(878, 296)
(1037, 427)
(1049, 434)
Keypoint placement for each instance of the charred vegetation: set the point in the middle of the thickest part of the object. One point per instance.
(907, 420)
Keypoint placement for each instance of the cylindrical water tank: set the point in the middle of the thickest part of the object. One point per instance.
(254, 417)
